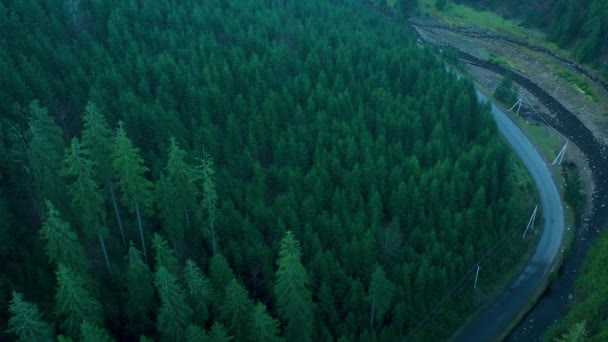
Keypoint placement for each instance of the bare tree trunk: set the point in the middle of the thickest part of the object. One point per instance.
(117, 213)
(141, 230)
(187, 219)
(105, 253)
(371, 317)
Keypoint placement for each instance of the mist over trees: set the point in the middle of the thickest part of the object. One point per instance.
(216, 170)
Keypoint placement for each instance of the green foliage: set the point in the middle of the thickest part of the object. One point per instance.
(174, 315)
(381, 292)
(262, 326)
(74, 302)
(505, 91)
(343, 131)
(92, 333)
(45, 146)
(573, 192)
(236, 309)
(164, 256)
(26, 321)
(130, 169)
(97, 142)
(62, 245)
(83, 189)
(586, 319)
(200, 292)
(291, 290)
(140, 293)
(440, 4)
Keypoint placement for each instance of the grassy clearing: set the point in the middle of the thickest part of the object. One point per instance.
(461, 15)
(582, 86)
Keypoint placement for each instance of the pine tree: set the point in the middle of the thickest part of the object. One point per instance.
(97, 140)
(194, 333)
(262, 326)
(380, 295)
(86, 196)
(62, 245)
(209, 199)
(140, 292)
(163, 255)
(92, 333)
(236, 309)
(176, 193)
(199, 291)
(74, 303)
(136, 189)
(218, 333)
(174, 314)
(220, 273)
(45, 147)
(26, 321)
(294, 300)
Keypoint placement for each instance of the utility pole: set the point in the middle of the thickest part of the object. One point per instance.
(476, 276)
(560, 156)
(531, 222)
(518, 103)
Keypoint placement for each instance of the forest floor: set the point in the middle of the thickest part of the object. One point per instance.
(578, 89)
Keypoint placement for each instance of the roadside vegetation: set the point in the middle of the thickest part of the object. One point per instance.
(588, 316)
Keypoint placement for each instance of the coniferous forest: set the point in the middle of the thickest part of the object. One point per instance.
(255, 170)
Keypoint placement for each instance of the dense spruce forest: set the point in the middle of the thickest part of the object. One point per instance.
(255, 170)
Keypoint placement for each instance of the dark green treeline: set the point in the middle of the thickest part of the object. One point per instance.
(250, 169)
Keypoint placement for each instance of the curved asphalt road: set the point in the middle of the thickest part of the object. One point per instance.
(492, 321)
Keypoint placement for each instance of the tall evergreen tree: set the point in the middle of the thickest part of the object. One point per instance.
(136, 189)
(86, 196)
(44, 154)
(163, 255)
(199, 290)
(235, 310)
(174, 314)
(176, 193)
(209, 201)
(26, 322)
(62, 245)
(262, 326)
(140, 293)
(92, 333)
(294, 300)
(380, 295)
(97, 141)
(74, 302)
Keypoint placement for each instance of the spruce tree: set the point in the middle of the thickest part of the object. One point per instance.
(45, 148)
(294, 300)
(92, 333)
(199, 290)
(97, 141)
(380, 295)
(174, 315)
(140, 292)
(262, 326)
(176, 193)
(136, 189)
(26, 322)
(86, 195)
(163, 254)
(209, 198)
(74, 302)
(62, 245)
(235, 310)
